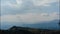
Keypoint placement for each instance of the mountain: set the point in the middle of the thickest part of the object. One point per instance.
(27, 30)
(43, 25)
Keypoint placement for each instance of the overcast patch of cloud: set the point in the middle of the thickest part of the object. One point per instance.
(44, 2)
(29, 18)
(26, 6)
(30, 9)
(19, 3)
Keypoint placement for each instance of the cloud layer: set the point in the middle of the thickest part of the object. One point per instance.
(44, 2)
(27, 6)
(29, 11)
(19, 3)
(30, 17)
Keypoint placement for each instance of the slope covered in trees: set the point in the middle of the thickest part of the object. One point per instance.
(26, 30)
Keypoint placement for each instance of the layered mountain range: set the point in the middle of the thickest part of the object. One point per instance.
(43, 25)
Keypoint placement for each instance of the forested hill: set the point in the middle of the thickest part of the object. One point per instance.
(27, 30)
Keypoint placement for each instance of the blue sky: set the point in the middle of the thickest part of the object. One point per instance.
(29, 11)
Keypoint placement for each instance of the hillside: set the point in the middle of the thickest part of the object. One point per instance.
(53, 25)
(43, 25)
(27, 30)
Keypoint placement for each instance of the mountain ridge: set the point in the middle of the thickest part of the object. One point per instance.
(44, 25)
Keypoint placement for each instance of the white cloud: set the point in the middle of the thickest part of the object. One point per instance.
(29, 18)
(43, 2)
(17, 4)
(19, 1)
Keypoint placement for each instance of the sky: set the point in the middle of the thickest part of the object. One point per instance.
(28, 11)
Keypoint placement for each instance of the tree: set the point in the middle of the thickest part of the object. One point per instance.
(59, 25)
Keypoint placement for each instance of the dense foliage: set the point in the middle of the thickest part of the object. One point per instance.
(26, 30)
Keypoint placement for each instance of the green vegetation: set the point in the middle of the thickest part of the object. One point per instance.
(26, 30)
